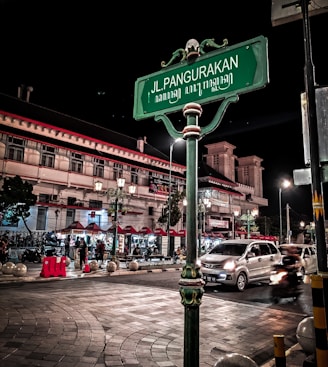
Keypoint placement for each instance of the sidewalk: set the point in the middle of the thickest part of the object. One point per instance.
(294, 353)
(34, 272)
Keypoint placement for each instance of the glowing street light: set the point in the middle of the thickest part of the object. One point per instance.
(284, 185)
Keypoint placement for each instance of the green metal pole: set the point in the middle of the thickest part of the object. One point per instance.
(191, 282)
(248, 225)
(199, 229)
(115, 230)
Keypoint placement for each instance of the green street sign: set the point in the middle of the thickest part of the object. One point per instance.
(216, 75)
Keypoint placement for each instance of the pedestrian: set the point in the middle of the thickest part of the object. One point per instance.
(77, 242)
(100, 250)
(72, 249)
(136, 250)
(83, 250)
(148, 252)
(67, 245)
(126, 250)
(3, 251)
(155, 250)
(176, 255)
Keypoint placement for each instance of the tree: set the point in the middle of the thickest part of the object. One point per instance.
(175, 212)
(16, 198)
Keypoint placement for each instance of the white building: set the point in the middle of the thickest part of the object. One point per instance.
(64, 157)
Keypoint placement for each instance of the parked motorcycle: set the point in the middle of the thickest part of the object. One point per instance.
(285, 283)
(32, 255)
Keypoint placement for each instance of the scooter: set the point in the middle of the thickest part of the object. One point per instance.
(285, 283)
(32, 255)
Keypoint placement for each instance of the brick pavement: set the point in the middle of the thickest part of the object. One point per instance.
(113, 326)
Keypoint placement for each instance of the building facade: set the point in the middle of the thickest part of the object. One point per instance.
(74, 165)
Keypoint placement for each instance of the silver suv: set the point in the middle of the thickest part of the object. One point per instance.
(240, 262)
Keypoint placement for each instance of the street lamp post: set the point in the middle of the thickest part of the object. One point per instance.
(169, 250)
(284, 184)
(248, 224)
(249, 218)
(235, 214)
(288, 224)
(203, 203)
(118, 195)
(120, 185)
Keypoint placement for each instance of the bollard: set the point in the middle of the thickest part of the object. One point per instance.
(8, 268)
(319, 320)
(61, 272)
(94, 265)
(45, 271)
(111, 266)
(133, 265)
(305, 335)
(20, 270)
(279, 350)
(235, 360)
(52, 265)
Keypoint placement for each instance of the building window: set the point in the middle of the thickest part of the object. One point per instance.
(99, 167)
(70, 216)
(41, 219)
(134, 175)
(15, 149)
(71, 201)
(97, 204)
(47, 156)
(216, 159)
(44, 198)
(76, 163)
(246, 175)
(118, 171)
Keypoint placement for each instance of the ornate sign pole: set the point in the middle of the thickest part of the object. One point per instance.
(195, 76)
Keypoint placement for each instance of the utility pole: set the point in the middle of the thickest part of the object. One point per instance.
(288, 224)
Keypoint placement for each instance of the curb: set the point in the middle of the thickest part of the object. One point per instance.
(78, 274)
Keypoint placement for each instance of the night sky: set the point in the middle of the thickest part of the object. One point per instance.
(83, 60)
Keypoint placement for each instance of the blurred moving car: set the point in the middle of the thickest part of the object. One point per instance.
(240, 262)
(308, 254)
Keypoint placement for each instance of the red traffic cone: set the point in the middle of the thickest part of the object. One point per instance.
(86, 266)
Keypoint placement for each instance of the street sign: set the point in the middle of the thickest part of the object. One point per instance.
(216, 75)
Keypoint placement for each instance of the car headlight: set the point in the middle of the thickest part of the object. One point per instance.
(229, 265)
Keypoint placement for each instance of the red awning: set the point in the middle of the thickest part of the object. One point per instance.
(182, 233)
(75, 227)
(119, 230)
(145, 230)
(93, 228)
(173, 232)
(129, 230)
(160, 232)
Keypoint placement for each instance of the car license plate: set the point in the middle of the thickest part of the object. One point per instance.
(209, 278)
